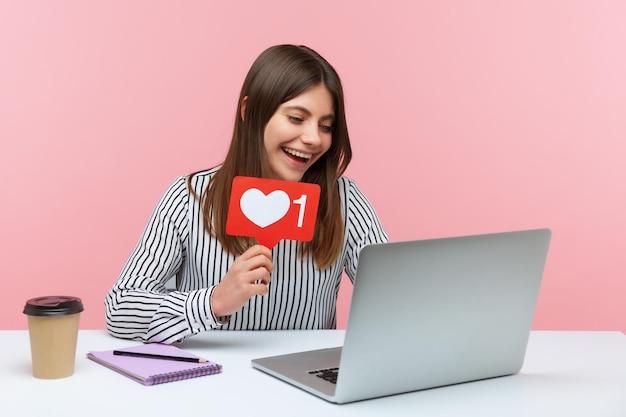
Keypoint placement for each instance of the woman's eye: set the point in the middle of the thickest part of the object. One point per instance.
(295, 119)
(327, 129)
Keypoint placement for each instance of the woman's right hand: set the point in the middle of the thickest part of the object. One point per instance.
(248, 276)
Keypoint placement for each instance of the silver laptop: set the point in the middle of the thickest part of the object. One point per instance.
(427, 314)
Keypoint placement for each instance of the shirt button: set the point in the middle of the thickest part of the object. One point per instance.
(195, 327)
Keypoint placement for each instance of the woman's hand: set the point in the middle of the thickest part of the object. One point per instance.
(247, 277)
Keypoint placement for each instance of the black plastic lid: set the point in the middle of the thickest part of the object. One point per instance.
(53, 305)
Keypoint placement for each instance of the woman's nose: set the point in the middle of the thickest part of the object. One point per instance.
(311, 135)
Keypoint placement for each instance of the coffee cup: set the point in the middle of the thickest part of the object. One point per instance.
(53, 330)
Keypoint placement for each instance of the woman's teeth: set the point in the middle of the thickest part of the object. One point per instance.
(297, 154)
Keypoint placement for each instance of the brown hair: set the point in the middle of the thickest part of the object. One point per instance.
(278, 75)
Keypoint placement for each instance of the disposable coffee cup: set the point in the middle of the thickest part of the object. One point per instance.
(53, 329)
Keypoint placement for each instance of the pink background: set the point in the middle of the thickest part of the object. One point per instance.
(466, 117)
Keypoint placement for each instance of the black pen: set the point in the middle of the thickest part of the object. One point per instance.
(155, 356)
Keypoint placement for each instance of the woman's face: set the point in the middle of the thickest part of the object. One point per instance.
(299, 133)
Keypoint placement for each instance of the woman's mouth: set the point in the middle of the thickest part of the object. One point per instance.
(297, 155)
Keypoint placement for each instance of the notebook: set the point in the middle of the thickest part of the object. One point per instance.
(428, 314)
(149, 371)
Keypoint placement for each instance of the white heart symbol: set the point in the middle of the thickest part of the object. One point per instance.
(262, 209)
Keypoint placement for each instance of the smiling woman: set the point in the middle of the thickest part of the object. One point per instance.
(290, 126)
(299, 133)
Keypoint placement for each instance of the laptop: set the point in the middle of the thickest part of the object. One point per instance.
(426, 314)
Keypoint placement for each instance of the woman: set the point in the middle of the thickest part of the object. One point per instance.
(290, 125)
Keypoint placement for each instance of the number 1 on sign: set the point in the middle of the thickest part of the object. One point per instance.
(302, 202)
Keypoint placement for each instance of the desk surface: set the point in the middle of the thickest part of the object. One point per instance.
(564, 374)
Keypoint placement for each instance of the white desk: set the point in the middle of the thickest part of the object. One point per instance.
(565, 374)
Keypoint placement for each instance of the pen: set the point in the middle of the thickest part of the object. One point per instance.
(155, 356)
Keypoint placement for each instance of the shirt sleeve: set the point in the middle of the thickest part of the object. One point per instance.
(363, 227)
(139, 306)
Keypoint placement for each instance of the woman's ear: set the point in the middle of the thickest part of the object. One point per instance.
(244, 102)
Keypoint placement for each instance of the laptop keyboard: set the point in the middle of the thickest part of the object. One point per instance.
(328, 374)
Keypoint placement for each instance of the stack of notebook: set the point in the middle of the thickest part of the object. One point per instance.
(155, 363)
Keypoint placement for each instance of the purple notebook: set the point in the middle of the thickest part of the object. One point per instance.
(149, 371)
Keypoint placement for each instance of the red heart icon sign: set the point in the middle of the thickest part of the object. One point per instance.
(272, 210)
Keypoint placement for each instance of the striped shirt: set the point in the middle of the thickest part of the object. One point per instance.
(175, 244)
